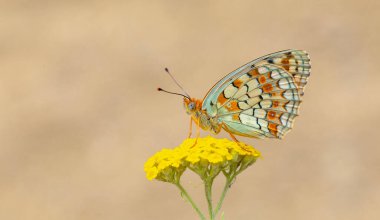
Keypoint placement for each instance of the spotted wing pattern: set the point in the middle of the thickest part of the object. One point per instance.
(262, 99)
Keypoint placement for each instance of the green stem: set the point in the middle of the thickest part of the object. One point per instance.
(225, 189)
(187, 196)
(208, 191)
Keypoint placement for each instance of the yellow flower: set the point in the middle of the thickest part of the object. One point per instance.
(214, 158)
(193, 158)
(165, 165)
(224, 155)
(151, 173)
(207, 157)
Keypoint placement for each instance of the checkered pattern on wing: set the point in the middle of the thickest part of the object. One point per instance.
(296, 62)
(261, 98)
(261, 103)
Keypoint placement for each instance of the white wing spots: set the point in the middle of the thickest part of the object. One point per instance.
(286, 120)
(248, 111)
(255, 92)
(242, 91)
(244, 78)
(249, 120)
(265, 104)
(243, 98)
(263, 124)
(284, 73)
(292, 69)
(292, 61)
(230, 91)
(291, 95)
(260, 113)
(253, 83)
(304, 70)
(263, 70)
(261, 98)
(291, 107)
(286, 83)
(253, 101)
(277, 60)
(266, 95)
(275, 74)
(243, 105)
(303, 80)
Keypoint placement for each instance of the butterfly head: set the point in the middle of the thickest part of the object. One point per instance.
(192, 105)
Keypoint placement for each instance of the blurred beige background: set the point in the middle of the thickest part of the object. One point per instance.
(80, 113)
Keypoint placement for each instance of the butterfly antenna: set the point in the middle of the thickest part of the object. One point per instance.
(167, 70)
(174, 93)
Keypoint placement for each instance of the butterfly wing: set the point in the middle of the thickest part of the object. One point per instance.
(261, 98)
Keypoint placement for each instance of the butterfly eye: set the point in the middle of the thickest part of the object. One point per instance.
(191, 106)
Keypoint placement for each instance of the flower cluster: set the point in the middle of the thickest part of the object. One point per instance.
(205, 156)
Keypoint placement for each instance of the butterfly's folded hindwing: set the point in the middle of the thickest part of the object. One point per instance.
(261, 99)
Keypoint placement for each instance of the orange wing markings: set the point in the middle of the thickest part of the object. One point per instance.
(237, 83)
(254, 73)
(275, 103)
(235, 117)
(271, 115)
(273, 84)
(232, 106)
(273, 128)
(222, 99)
(262, 79)
(285, 62)
(267, 87)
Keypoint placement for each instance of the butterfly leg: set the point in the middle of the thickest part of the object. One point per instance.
(191, 127)
(198, 133)
(234, 138)
(198, 129)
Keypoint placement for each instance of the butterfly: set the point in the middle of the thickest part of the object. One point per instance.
(259, 99)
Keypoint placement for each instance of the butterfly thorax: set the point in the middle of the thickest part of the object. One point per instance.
(202, 119)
